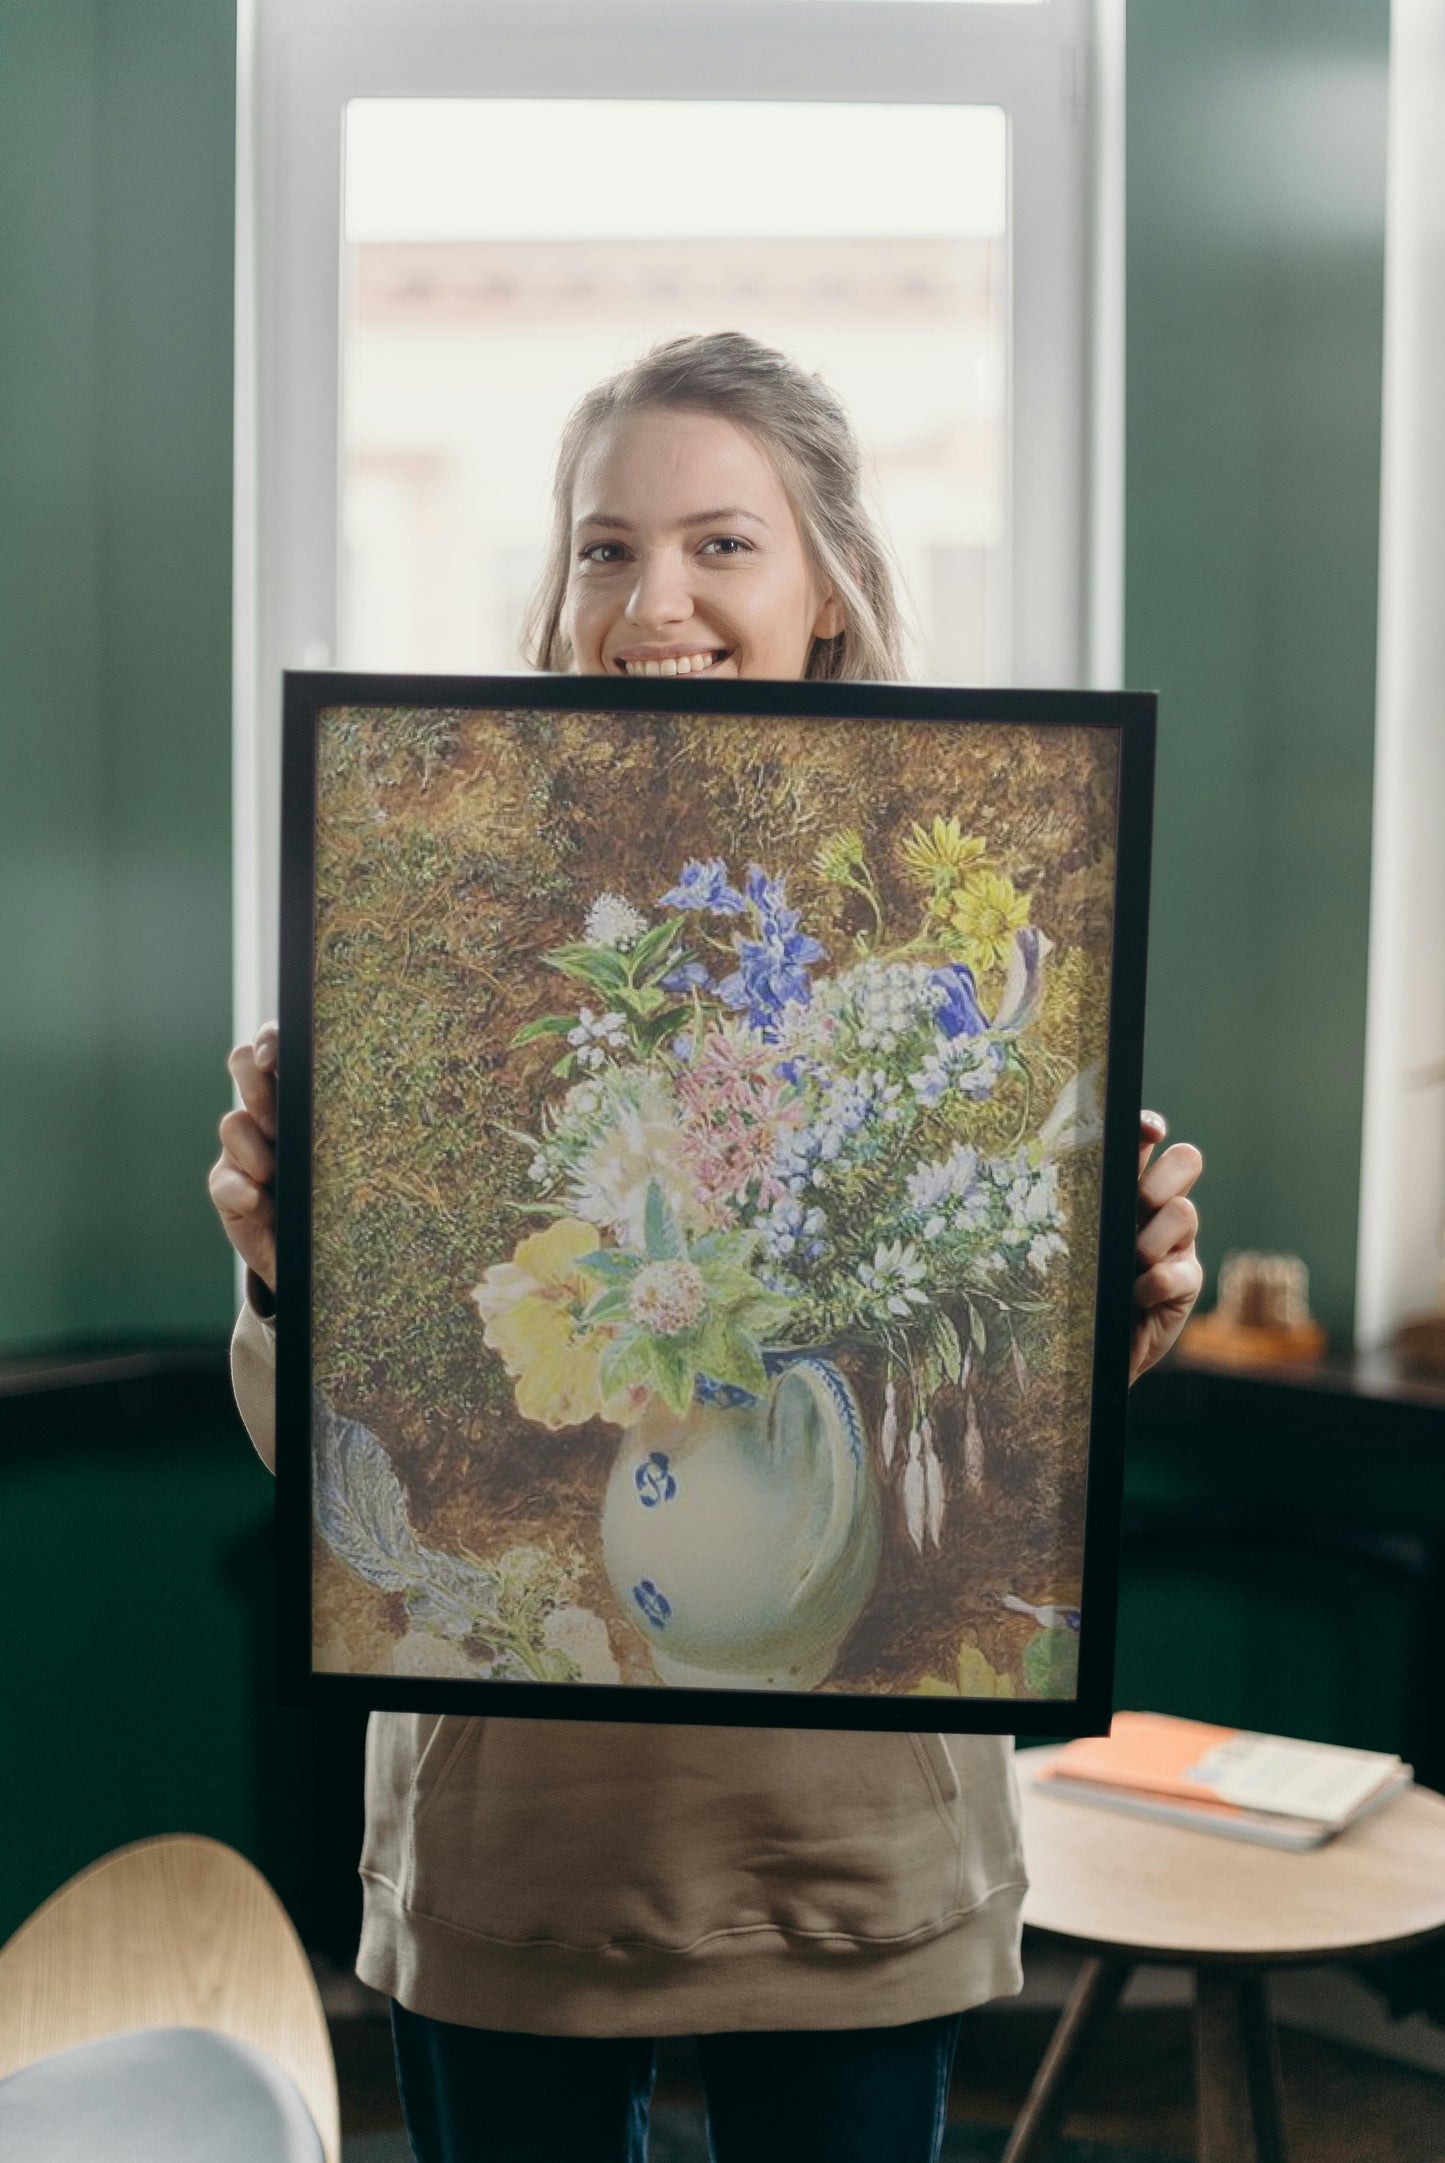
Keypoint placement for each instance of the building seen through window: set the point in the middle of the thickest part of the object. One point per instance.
(872, 247)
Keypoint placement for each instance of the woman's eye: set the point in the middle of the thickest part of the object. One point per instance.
(726, 544)
(602, 552)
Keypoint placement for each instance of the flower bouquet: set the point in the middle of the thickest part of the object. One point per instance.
(757, 1149)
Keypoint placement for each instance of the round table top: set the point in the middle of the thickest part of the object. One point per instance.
(1167, 1892)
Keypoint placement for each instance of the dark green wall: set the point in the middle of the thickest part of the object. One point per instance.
(1255, 262)
(1255, 266)
(117, 135)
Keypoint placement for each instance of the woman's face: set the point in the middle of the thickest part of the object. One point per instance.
(686, 556)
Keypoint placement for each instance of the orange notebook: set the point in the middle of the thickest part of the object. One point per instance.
(1201, 1763)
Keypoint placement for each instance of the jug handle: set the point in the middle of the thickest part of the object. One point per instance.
(847, 1455)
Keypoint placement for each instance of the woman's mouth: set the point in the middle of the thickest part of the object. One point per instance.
(677, 664)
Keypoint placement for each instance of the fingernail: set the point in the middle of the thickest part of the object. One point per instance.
(1156, 1119)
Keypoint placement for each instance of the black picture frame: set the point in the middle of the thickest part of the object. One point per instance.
(1131, 717)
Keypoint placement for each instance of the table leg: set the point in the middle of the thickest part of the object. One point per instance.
(1236, 2060)
(1096, 1991)
(1266, 2089)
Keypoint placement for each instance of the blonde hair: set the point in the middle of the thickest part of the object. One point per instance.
(804, 428)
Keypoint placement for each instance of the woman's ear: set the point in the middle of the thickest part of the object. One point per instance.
(830, 619)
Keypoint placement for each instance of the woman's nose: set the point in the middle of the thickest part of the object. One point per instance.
(661, 595)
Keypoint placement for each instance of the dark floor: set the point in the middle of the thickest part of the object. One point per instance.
(1342, 2105)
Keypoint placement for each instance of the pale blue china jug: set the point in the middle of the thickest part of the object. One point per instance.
(742, 1537)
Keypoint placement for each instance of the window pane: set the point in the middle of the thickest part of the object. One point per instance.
(867, 241)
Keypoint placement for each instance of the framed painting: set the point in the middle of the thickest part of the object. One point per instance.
(708, 1137)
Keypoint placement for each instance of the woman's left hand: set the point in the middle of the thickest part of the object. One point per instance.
(1168, 1275)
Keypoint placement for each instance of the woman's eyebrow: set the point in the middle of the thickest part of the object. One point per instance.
(728, 516)
(723, 517)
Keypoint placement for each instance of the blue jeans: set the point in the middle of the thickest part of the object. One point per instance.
(831, 2095)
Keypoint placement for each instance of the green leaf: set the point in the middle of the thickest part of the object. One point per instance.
(662, 1234)
(977, 1331)
(977, 1677)
(736, 1249)
(610, 1305)
(944, 1344)
(607, 1262)
(554, 1025)
(673, 1372)
(729, 1354)
(628, 1359)
(660, 1027)
(564, 1065)
(727, 1284)
(1051, 1663)
(654, 946)
(598, 966)
(763, 1316)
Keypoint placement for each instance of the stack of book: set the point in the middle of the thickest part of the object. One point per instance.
(1230, 1780)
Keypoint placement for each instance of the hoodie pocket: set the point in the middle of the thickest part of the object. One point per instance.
(940, 1777)
(591, 1834)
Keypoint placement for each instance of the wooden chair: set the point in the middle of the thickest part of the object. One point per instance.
(1124, 1889)
(176, 1932)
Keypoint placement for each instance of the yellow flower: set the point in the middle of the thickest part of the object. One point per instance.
(943, 854)
(841, 856)
(983, 917)
(529, 1306)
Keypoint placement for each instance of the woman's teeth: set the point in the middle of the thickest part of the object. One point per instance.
(686, 664)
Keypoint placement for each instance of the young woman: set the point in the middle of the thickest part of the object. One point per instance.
(543, 1898)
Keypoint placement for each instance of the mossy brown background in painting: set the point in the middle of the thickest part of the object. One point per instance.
(454, 849)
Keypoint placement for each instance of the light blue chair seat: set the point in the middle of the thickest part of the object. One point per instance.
(156, 2095)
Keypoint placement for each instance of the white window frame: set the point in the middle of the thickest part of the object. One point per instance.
(1056, 69)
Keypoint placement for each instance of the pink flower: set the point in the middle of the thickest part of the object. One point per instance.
(733, 1112)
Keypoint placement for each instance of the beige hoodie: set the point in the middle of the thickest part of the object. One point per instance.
(565, 1877)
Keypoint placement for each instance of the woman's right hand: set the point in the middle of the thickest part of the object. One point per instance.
(242, 1181)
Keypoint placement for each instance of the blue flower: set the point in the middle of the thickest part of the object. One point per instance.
(958, 1012)
(687, 976)
(655, 1605)
(655, 1481)
(772, 970)
(704, 886)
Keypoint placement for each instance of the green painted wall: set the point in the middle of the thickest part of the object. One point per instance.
(116, 159)
(1255, 266)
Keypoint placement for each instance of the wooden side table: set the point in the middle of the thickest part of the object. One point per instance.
(1124, 1889)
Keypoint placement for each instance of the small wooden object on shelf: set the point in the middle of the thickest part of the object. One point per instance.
(1420, 1342)
(1262, 1317)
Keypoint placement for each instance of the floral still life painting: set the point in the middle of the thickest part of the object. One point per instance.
(705, 1198)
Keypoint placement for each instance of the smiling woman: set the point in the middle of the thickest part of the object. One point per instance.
(645, 577)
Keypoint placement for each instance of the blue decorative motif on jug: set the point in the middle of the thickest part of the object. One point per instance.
(769, 1544)
(655, 1481)
(654, 1604)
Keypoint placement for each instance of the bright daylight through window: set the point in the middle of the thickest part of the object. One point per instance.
(866, 240)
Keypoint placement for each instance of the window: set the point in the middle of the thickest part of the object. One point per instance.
(448, 211)
(465, 302)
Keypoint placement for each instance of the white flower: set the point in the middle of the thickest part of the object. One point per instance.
(610, 1184)
(612, 921)
(668, 1297)
(597, 1036)
(894, 1279)
(889, 1436)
